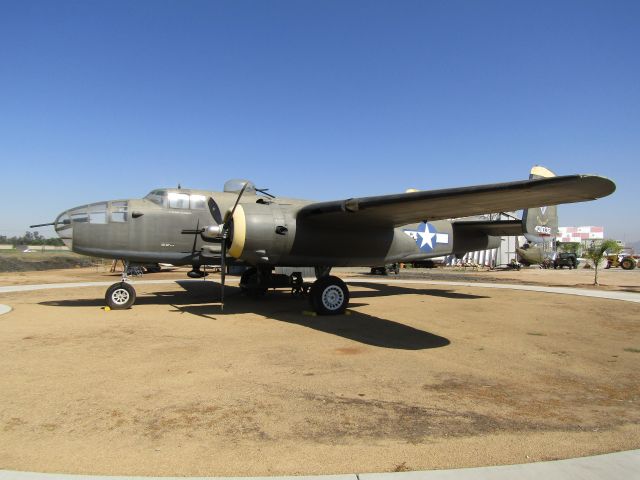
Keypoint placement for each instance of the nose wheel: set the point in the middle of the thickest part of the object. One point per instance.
(120, 296)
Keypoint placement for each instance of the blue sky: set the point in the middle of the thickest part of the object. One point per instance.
(320, 100)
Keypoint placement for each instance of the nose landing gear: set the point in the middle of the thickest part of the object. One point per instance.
(120, 296)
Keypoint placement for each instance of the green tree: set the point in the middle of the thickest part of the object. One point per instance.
(597, 251)
(569, 247)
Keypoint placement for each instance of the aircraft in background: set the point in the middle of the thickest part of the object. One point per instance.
(249, 226)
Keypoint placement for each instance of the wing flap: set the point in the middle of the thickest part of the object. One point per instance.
(405, 208)
(494, 228)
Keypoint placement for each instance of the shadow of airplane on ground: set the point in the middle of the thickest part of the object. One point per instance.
(199, 298)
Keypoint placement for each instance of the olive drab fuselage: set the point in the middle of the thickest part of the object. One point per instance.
(264, 231)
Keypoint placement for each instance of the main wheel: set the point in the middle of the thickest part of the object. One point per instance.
(329, 296)
(152, 268)
(249, 283)
(120, 296)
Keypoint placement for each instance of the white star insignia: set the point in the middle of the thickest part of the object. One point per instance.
(427, 238)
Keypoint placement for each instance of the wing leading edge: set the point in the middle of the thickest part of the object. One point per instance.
(405, 208)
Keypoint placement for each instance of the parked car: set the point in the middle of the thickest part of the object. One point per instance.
(386, 269)
(566, 260)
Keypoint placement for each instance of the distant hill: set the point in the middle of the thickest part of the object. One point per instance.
(635, 245)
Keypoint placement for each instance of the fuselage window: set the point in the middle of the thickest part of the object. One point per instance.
(178, 200)
(198, 202)
(98, 213)
(119, 211)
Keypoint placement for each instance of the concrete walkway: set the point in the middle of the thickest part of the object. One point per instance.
(612, 466)
(584, 292)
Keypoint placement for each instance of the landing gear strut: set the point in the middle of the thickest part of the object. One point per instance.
(196, 272)
(121, 295)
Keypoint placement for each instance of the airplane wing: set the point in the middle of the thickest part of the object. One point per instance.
(405, 208)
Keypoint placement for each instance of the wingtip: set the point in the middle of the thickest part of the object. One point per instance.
(602, 186)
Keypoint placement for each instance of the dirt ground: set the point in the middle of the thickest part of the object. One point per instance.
(17, 261)
(416, 377)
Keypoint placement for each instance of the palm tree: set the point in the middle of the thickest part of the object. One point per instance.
(597, 251)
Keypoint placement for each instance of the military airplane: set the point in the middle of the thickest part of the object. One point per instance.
(247, 225)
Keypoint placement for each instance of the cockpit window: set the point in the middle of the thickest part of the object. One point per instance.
(119, 212)
(198, 202)
(158, 197)
(178, 200)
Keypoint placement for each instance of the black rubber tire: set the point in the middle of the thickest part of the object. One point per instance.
(329, 296)
(155, 268)
(120, 296)
(249, 282)
(246, 278)
(627, 263)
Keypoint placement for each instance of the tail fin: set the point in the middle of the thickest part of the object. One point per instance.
(540, 224)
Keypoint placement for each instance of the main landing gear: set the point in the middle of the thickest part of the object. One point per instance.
(328, 295)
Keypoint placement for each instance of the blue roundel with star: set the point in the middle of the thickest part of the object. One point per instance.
(427, 237)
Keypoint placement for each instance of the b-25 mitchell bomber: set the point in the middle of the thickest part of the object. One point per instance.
(249, 226)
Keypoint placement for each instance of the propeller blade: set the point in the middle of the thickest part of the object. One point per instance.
(215, 210)
(223, 255)
(195, 238)
(233, 210)
(188, 231)
(224, 232)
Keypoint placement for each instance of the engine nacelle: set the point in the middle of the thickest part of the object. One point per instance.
(261, 233)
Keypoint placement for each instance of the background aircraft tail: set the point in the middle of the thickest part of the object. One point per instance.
(540, 224)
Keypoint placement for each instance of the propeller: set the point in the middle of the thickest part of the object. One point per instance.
(218, 232)
(224, 234)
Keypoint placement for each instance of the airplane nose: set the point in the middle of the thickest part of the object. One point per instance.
(64, 228)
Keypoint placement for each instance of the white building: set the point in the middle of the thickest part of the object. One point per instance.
(579, 234)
